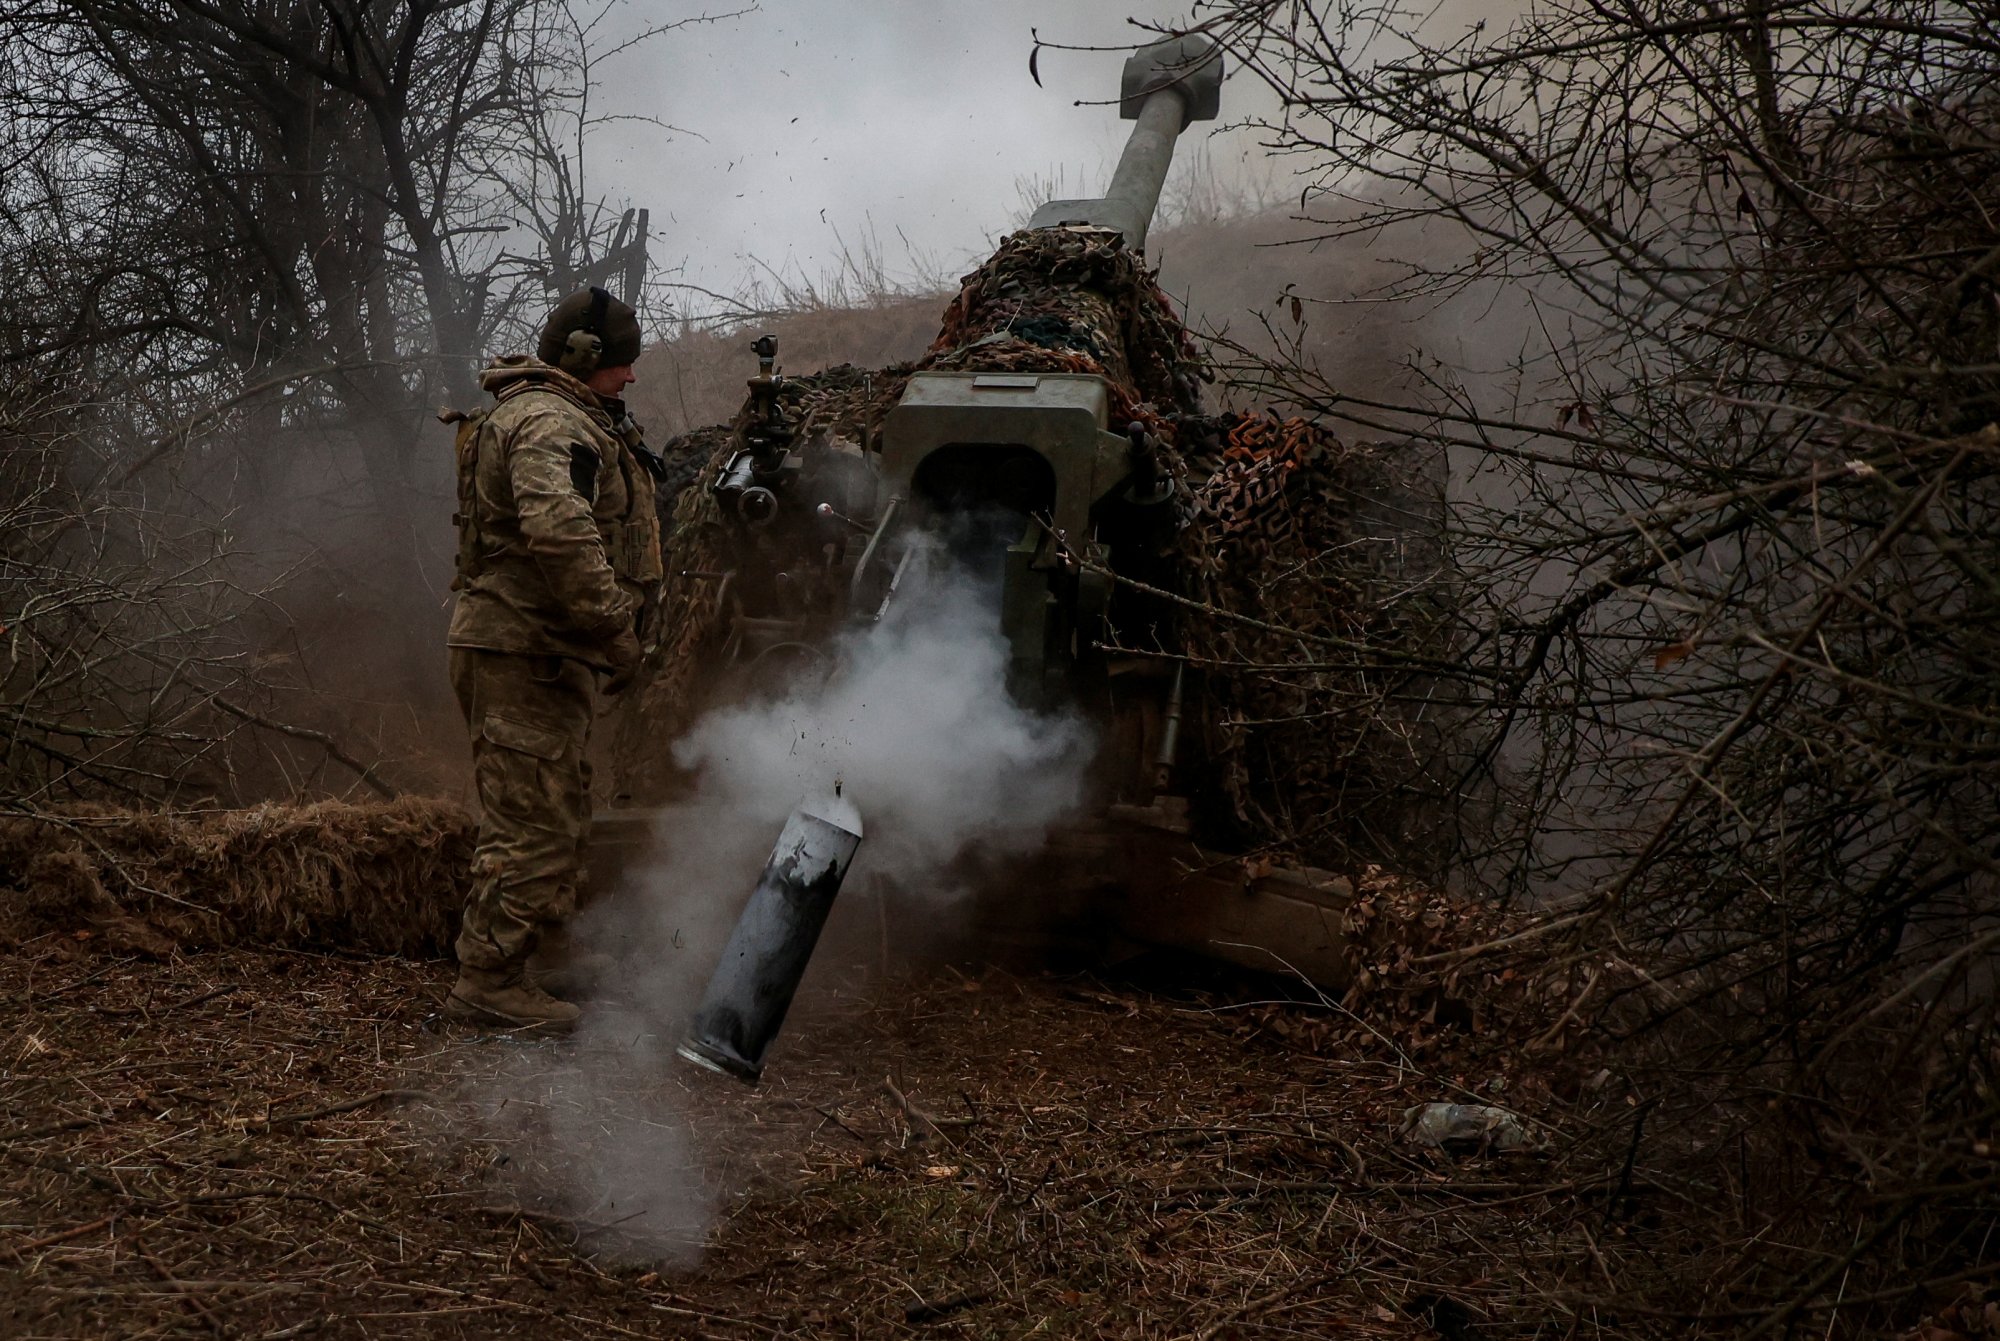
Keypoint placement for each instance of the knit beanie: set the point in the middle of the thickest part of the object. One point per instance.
(617, 326)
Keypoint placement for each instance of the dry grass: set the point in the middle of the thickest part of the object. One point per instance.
(387, 877)
(1230, 271)
(261, 1144)
(696, 377)
(255, 1143)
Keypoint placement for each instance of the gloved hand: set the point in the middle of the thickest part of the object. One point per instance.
(649, 607)
(625, 655)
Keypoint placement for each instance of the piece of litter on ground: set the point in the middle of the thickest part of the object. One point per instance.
(1458, 1127)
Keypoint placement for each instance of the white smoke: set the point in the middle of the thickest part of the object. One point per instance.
(913, 719)
(916, 725)
(597, 1133)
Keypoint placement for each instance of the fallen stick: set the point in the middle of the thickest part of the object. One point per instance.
(1548, 1036)
(1252, 1187)
(347, 1106)
(20, 1250)
(1230, 1317)
(186, 1293)
(55, 1128)
(65, 1168)
(919, 1119)
(196, 1000)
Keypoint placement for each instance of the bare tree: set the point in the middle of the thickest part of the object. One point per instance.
(248, 249)
(253, 187)
(1729, 574)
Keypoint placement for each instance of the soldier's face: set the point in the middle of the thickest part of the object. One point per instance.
(611, 381)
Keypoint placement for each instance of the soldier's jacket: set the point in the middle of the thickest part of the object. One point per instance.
(559, 541)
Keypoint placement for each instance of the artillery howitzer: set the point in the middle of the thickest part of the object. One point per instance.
(827, 513)
(1053, 433)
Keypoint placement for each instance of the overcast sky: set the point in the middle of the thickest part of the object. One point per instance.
(806, 121)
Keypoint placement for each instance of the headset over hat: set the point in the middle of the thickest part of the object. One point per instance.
(590, 330)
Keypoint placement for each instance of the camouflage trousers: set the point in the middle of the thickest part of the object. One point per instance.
(529, 717)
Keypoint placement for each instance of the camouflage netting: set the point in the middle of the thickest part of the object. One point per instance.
(1074, 300)
(1320, 574)
(387, 878)
(1289, 607)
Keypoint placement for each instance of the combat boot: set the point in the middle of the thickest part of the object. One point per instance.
(575, 976)
(559, 965)
(505, 999)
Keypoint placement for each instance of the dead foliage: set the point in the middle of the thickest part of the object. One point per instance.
(1971, 1317)
(387, 878)
(1429, 967)
(939, 1156)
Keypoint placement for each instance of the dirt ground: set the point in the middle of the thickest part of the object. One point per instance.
(265, 1144)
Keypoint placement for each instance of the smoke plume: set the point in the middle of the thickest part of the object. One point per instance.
(913, 720)
(916, 724)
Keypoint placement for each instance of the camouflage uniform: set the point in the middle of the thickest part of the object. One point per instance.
(559, 556)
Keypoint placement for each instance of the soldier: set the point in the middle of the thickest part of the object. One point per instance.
(558, 560)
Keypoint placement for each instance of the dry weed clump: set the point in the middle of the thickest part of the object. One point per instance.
(385, 878)
(1437, 969)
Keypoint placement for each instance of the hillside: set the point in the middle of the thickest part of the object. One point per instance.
(1232, 276)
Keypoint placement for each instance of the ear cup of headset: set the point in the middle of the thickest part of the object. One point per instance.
(581, 351)
(587, 331)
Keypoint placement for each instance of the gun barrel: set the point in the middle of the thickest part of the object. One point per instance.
(1166, 88)
(1142, 168)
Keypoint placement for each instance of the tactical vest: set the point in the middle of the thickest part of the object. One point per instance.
(631, 542)
(638, 536)
(465, 447)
